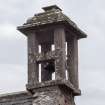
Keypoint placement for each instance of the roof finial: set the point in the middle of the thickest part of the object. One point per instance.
(52, 7)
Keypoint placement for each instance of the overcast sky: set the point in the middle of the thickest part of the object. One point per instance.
(89, 16)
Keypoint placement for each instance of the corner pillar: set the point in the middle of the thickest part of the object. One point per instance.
(59, 42)
(72, 61)
(33, 71)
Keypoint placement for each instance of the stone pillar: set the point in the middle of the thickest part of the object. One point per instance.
(60, 45)
(45, 74)
(72, 61)
(33, 71)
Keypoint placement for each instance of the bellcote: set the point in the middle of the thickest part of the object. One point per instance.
(44, 30)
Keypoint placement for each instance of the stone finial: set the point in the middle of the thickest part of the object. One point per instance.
(53, 7)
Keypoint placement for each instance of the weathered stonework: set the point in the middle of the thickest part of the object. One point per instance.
(43, 30)
(52, 96)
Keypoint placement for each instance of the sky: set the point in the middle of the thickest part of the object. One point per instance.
(89, 15)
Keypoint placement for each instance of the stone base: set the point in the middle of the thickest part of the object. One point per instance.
(53, 95)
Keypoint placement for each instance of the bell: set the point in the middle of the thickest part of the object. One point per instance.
(50, 66)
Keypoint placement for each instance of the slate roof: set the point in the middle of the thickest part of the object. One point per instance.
(13, 93)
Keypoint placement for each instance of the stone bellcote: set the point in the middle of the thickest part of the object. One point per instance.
(47, 29)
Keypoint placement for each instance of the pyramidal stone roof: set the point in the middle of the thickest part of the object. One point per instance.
(51, 15)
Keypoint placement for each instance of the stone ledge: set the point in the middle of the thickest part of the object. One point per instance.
(64, 83)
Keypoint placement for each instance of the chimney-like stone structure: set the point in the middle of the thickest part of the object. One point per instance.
(58, 82)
